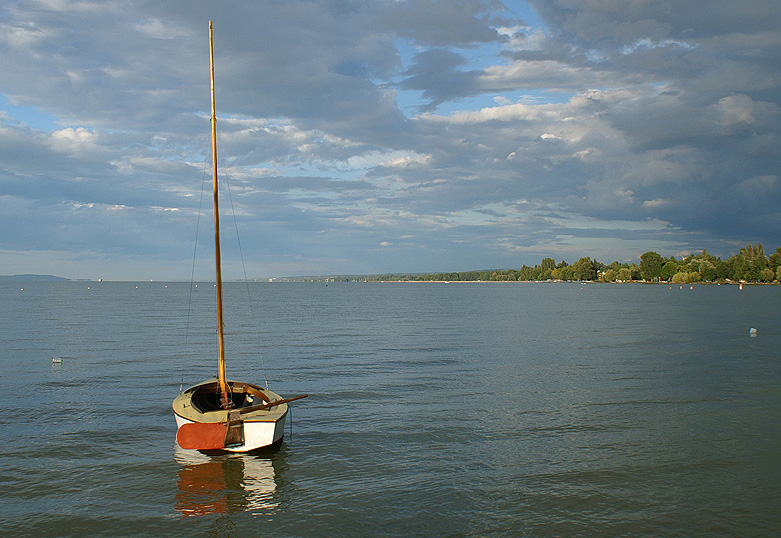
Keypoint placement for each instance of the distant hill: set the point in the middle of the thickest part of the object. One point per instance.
(28, 278)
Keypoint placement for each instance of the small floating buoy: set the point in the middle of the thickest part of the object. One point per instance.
(752, 331)
(741, 285)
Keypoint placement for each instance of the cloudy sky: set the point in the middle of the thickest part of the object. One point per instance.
(385, 136)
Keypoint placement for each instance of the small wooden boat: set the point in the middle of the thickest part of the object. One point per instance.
(252, 418)
(219, 414)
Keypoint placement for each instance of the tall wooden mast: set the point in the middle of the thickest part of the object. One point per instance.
(220, 332)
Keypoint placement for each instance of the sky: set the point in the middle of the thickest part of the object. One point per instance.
(378, 136)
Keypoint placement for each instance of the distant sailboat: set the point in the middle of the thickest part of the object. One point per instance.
(219, 414)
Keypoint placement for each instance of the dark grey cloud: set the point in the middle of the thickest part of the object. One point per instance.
(437, 24)
(628, 21)
(437, 74)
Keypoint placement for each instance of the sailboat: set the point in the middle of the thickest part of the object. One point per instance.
(220, 414)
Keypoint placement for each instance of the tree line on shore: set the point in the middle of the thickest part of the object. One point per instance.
(749, 265)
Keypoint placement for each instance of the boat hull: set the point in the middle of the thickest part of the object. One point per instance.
(256, 434)
(261, 428)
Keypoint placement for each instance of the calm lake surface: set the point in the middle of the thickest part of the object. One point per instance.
(464, 409)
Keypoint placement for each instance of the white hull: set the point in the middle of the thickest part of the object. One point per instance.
(256, 434)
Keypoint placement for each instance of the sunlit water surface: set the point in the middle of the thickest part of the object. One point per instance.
(472, 409)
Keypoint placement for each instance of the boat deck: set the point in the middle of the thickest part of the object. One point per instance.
(200, 403)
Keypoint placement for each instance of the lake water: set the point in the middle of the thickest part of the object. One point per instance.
(464, 409)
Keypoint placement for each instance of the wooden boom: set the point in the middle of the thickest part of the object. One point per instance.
(268, 405)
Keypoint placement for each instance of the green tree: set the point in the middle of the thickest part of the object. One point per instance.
(749, 264)
(583, 269)
(754, 269)
(737, 266)
(751, 252)
(608, 275)
(598, 267)
(707, 271)
(651, 265)
(774, 260)
(668, 270)
(565, 272)
(686, 277)
(722, 270)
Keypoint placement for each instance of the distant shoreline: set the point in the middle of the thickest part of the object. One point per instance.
(326, 280)
(581, 282)
(33, 278)
(369, 280)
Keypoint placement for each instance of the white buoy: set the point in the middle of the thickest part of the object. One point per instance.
(752, 331)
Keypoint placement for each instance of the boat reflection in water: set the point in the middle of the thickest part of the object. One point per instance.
(224, 484)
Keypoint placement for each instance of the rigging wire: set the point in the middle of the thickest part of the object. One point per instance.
(243, 266)
(192, 272)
